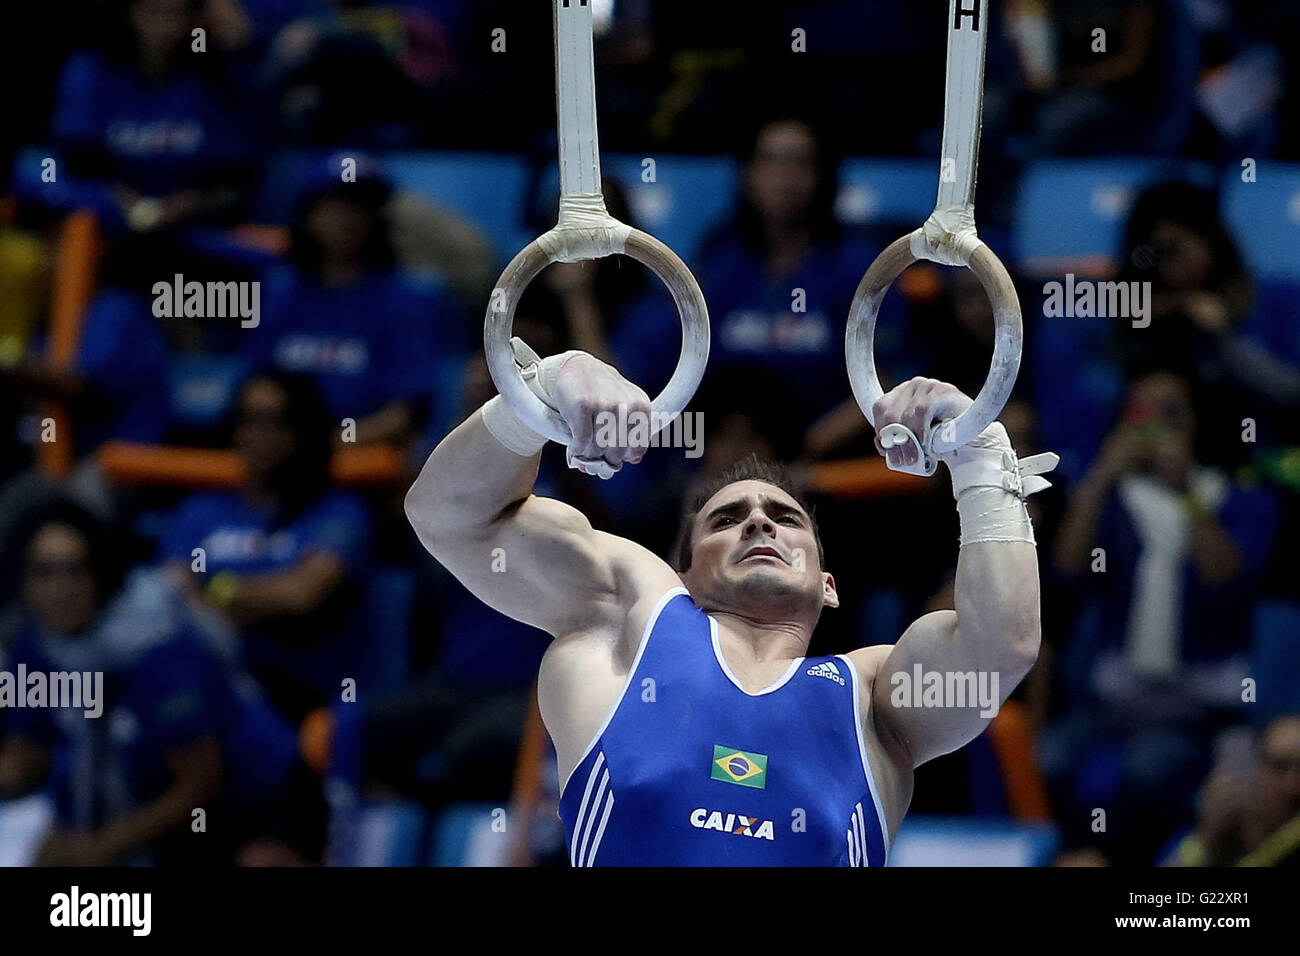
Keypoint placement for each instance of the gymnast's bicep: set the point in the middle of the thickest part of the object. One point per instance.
(542, 563)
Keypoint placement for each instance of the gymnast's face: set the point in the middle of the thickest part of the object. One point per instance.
(754, 552)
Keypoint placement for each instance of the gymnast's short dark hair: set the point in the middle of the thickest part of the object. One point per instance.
(749, 468)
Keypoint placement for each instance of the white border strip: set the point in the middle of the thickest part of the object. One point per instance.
(584, 806)
(722, 662)
(862, 752)
(600, 830)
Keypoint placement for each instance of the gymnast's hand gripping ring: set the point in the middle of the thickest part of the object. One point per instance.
(947, 237)
(586, 231)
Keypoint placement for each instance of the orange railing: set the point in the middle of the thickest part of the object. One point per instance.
(128, 463)
(76, 267)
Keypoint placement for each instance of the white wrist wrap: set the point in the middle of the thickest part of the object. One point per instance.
(539, 375)
(991, 514)
(991, 485)
(509, 430)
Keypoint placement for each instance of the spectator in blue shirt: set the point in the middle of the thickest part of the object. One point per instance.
(284, 557)
(779, 281)
(369, 335)
(1236, 333)
(1167, 553)
(173, 729)
(149, 134)
(117, 385)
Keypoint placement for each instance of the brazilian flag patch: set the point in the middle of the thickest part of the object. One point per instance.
(740, 767)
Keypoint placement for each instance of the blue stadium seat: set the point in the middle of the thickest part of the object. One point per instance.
(23, 825)
(690, 196)
(970, 841)
(463, 835)
(898, 192)
(1275, 659)
(202, 387)
(390, 833)
(1264, 217)
(1070, 214)
(488, 189)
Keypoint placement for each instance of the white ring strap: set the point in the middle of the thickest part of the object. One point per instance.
(947, 237)
(575, 99)
(585, 230)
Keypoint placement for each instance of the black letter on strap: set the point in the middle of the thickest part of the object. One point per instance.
(961, 12)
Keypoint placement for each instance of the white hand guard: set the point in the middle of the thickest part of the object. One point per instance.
(540, 376)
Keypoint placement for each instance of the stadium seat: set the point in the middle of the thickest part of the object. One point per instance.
(1264, 217)
(969, 841)
(690, 196)
(1098, 195)
(390, 833)
(23, 825)
(1275, 659)
(464, 836)
(488, 189)
(898, 192)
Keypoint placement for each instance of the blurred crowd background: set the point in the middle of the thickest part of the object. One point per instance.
(210, 513)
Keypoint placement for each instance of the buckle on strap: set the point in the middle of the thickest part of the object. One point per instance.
(1022, 477)
(991, 469)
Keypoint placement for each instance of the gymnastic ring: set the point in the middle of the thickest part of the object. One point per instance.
(1008, 342)
(664, 263)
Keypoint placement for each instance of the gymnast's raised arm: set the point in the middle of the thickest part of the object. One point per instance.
(993, 635)
(536, 559)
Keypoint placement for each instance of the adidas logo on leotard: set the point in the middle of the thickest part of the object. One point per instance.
(828, 670)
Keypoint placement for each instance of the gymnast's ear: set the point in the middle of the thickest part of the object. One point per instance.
(829, 597)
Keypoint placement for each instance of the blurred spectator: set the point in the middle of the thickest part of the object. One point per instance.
(1234, 334)
(175, 730)
(1252, 818)
(362, 71)
(1241, 80)
(240, 24)
(453, 732)
(1167, 553)
(117, 384)
(779, 281)
(115, 388)
(1113, 75)
(284, 557)
(369, 335)
(1239, 335)
(150, 134)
